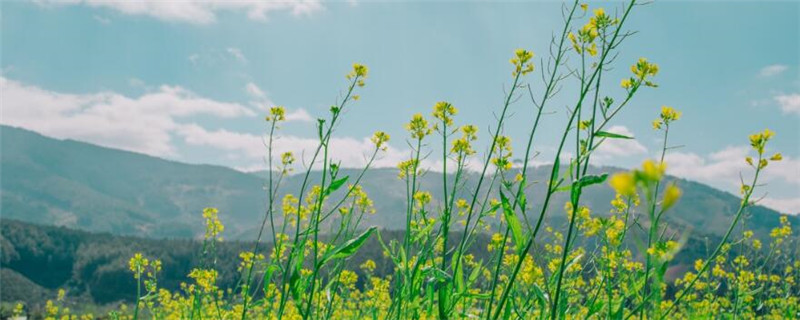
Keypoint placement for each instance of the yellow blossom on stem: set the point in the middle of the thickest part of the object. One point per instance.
(359, 72)
(671, 196)
(277, 113)
(521, 62)
(444, 111)
(418, 126)
(623, 183)
(379, 139)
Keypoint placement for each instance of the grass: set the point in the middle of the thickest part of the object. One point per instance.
(610, 267)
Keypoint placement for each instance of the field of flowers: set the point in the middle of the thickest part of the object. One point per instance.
(609, 266)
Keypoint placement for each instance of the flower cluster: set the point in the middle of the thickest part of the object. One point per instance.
(502, 149)
(462, 146)
(642, 70)
(418, 127)
(380, 139)
(213, 225)
(277, 113)
(668, 115)
(521, 62)
(444, 111)
(359, 73)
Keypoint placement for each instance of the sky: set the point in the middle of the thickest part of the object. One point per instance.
(191, 81)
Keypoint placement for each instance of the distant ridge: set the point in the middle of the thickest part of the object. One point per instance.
(84, 186)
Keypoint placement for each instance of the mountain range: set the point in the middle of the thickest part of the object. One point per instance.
(88, 187)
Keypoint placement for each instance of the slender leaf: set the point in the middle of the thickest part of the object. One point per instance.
(348, 248)
(513, 222)
(589, 180)
(335, 185)
(611, 135)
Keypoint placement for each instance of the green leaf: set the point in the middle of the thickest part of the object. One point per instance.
(556, 169)
(606, 134)
(563, 189)
(444, 300)
(459, 276)
(521, 198)
(539, 294)
(589, 180)
(476, 272)
(513, 222)
(268, 276)
(439, 275)
(335, 185)
(348, 248)
(294, 284)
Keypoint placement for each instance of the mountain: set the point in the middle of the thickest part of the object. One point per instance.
(84, 186)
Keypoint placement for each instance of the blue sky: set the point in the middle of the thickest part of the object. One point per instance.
(190, 81)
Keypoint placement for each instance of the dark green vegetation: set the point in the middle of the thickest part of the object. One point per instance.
(93, 267)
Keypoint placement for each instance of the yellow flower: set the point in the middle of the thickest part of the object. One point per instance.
(19, 311)
(379, 139)
(623, 183)
(671, 196)
(213, 225)
(137, 263)
(470, 132)
(759, 140)
(657, 124)
(669, 114)
(277, 113)
(651, 171)
(205, 278)
(574, 40)
(287, 158)
(462, 147)
(641, 70)
(359, 72)
(422, 198)
(418, 126)
(776, 157)
(368, 266)
(592, 50)
(521, 62)
(444, 111)
(407, 167)
(626, 83)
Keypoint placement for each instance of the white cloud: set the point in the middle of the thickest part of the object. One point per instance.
(196, 11)
(101, 19)
(237, 53)
(300, 115)
(254, 91)
(262, 102)
(141, 124)
(772, 70)
(790, 103)
(616, 148)
(724, 169)
(352, 152)
(783, 205)
(151, 122)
